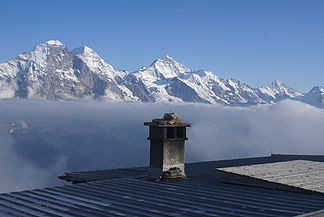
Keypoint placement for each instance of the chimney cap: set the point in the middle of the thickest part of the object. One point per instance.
(170, 119)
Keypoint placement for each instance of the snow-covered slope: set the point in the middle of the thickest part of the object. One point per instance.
(278, 91)
(149, 84)
(315, 97)
(51, 71)
(167, 80)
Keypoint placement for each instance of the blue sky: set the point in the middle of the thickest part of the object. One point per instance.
(256, 41)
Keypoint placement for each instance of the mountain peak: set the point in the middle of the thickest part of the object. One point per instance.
(50, 43)
(278, 83)
(42, 51)
(93, 60)
(44, 47)
(169, 67)
(165, 59)
(54, 42)
(315, 96)
(317, 89)
(83, 49)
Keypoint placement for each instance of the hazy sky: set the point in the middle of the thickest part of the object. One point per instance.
(251, 40)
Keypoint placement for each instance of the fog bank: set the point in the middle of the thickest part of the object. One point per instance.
(40, 140)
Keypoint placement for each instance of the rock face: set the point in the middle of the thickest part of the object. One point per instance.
(51, 71)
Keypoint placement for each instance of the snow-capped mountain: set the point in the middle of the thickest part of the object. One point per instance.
(315, 97)
(51, 71)
(167, 80)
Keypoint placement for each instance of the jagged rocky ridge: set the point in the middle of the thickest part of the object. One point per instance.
(51, 71)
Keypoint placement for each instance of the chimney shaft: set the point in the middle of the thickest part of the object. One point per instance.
(167, 138)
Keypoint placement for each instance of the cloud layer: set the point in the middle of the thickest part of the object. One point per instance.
(42, 139)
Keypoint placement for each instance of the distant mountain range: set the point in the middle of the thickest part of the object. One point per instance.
(51, 71)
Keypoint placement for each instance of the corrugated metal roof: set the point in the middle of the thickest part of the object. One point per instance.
(192, 169)
(201, 196)
(300, 174)
(131, 194)
(97, 175)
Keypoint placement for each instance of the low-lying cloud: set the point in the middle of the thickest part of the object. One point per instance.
(40, 140)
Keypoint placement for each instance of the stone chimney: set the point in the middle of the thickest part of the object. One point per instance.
(167, 138)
